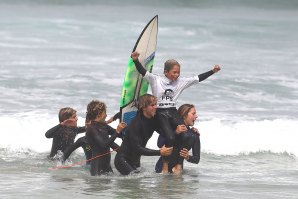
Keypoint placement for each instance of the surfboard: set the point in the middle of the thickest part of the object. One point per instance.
(134, 85)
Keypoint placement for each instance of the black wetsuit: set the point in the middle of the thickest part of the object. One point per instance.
(138, 132)
(167, 93)
(63, 137)
(190, 140)
(81, 142)
(97, 135)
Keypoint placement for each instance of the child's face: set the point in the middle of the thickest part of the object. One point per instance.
(174, 73)
(72, 121)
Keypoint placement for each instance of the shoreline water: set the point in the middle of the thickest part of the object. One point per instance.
(66, 53)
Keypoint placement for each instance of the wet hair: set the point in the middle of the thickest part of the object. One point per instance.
(169, 64)
(145, 100)
(95, 108)
(66, 113)
(184, 109)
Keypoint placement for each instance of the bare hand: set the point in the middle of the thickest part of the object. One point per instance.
(135, 55)
(120, 127)
(184, 153)
(216, 68)
(166, 151)
(181, 128)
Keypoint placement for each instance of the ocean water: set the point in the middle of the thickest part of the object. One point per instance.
(69, 52)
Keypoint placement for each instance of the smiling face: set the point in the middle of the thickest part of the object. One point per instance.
(174, 73)
(150, 110)
(147, 104)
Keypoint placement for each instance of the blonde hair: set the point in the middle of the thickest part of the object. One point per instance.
(146, 100)
(95, 108)
(169, 64)
(66, 113)
(184, 109)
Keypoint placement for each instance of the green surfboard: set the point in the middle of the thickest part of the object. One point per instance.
(134, 85)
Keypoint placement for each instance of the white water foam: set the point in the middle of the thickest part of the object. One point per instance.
(27, 131)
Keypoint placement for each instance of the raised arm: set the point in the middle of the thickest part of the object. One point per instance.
(205, 75)
(138, 65)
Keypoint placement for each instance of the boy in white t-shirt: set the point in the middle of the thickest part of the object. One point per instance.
(167, 89)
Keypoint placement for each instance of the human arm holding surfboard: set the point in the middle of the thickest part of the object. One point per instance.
(139, 67)
(142, 70)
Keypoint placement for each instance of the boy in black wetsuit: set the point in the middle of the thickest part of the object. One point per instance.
(101, 138)
(64, 133)
(167, 89)
(138, 132)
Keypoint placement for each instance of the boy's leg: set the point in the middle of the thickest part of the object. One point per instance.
(123, 166)
(167, 128)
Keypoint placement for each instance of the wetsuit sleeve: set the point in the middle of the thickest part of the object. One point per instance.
(140, 68)
(204, 76)
(101, 141)
(52, 132)
(147, 152)
(80, 129)
(196, 151)
(161, 141)
(116, 116)
(114, 146)
(137, 142)
(111, 131)
(72, 148)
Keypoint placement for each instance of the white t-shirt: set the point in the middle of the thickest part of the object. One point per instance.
(167, 91)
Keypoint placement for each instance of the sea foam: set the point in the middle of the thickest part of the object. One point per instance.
(27, 131)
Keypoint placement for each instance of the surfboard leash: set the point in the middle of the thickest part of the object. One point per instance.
(81, 162)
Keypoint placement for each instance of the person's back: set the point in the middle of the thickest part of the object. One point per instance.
(101, 137)
(97, 135)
